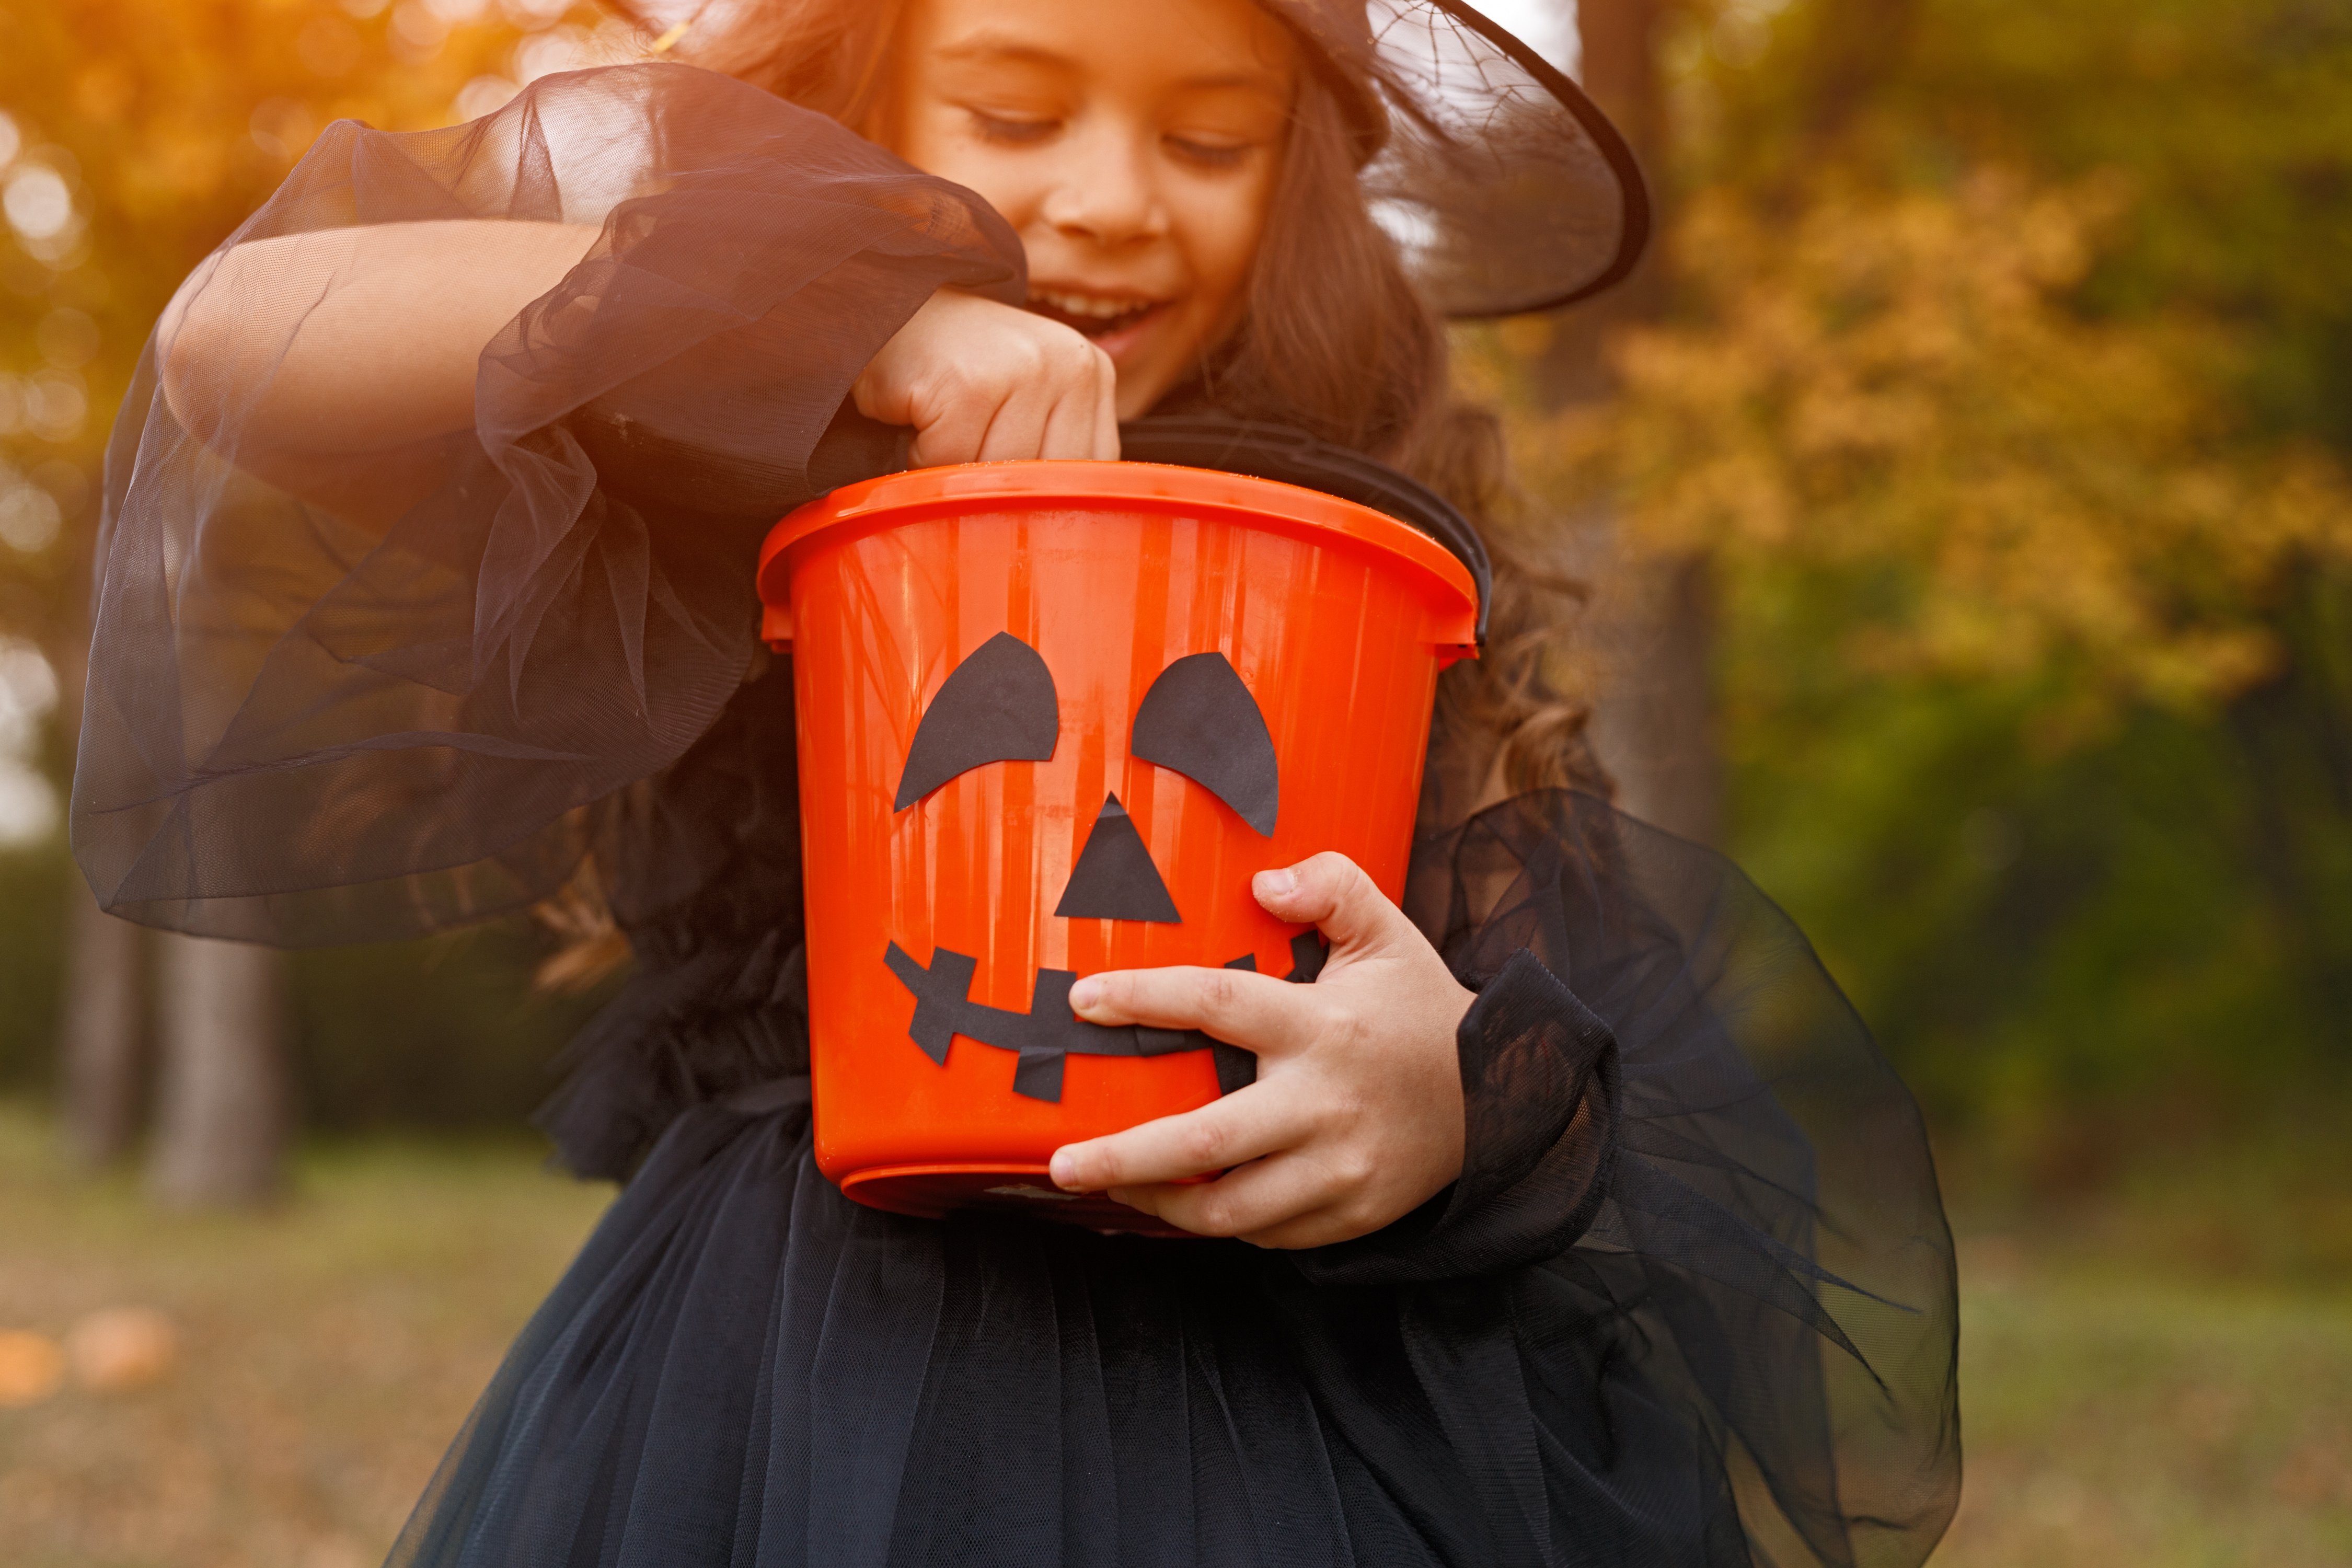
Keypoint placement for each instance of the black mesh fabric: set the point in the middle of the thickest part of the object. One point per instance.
(1691, 1302)
(299, 732)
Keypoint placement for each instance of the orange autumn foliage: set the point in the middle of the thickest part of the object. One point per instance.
(1903, 387)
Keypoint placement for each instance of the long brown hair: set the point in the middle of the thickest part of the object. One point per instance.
(1334, 340)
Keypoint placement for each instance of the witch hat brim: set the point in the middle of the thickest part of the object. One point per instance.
(1507, 189)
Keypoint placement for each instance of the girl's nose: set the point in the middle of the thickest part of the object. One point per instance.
(1107, 191)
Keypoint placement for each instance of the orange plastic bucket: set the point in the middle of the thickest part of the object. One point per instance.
(985, 661)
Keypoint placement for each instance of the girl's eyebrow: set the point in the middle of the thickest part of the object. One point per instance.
(988, 45)
(1000, 48)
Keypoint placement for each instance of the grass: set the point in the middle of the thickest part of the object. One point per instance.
(2159, 1370)
(2118, 1413)
(2128, 1399)
(329, 1350)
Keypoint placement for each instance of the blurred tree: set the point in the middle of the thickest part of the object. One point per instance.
(134, 135)
(1645, 638)
(2008, 376)
(221, 1107)
(99, 1033)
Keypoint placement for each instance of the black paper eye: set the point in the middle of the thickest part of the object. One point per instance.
(1199, 720)
(998, 707)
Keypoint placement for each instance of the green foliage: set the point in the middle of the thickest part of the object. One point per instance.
(2157, 916)
(442, 1032)
(2008, 384)
(33, 885)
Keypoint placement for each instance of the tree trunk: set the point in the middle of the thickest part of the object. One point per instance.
(1654, 721)
(1650, 633)
(1618, 42)
(101, 1027)
(1856, 46)
(222, 1099)
(101, 1033)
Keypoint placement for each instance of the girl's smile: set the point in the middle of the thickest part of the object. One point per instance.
(1134, 152)
(1108, 320)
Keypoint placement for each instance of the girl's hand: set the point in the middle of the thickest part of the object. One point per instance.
(983, 382)
(1355, 1116)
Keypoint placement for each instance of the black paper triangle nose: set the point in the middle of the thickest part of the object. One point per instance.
(1115, 878)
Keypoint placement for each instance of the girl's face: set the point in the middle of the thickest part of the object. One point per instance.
(1134, 147)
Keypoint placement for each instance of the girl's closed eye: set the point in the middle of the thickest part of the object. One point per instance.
(1212, 155)
(1012, 131)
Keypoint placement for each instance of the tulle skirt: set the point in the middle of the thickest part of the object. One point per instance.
(744, 1367)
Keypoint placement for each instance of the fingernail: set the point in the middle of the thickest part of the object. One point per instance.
(1278, 884)
(1063, 1169)
(1085, 993)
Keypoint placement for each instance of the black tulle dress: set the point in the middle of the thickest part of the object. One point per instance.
(1691, 1302)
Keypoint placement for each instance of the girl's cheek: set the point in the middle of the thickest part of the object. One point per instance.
(1224, 238)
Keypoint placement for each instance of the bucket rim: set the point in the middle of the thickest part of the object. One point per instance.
(925, 490)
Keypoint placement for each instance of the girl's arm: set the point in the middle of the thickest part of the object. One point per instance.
(382, 327)
(292, 736)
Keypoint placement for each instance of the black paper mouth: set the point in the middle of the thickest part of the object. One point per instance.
(1049, 1034)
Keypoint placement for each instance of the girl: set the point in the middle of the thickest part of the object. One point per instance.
(1588, 1225)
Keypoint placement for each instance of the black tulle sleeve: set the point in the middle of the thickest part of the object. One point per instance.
(1678, 1120)
(301, 730)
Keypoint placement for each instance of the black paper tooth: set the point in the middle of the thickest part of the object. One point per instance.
(1049, 1032)
(998, 707)
(1199, 720)
(1115, 878)
(1309, 950)
(1236, 1066)
(1043, 1037)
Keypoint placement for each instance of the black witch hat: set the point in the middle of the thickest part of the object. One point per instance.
(1505, 186)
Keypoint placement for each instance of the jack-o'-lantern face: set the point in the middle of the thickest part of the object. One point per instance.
(1197, 718)
(1052, 719)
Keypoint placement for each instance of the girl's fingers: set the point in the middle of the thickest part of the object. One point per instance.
(1316, 1228)
(1017, 429)
(985, 382)
(1269, 1198)
(1332, 892)
(1106, 409)
(1085, 421)
(1070, 429)
(1255, 1011)
(1230, 1132)
(953, 438)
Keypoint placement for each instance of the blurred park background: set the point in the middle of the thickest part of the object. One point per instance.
(1964, 488)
